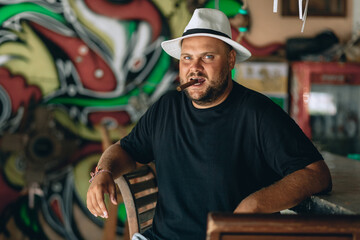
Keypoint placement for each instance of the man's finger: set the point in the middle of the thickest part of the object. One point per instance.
(95, 206)
(112, 194)
(101, 208)
(89, 205)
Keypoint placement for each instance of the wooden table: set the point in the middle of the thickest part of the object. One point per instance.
(228, 226)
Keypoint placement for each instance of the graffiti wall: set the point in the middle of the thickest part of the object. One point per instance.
(67, 68)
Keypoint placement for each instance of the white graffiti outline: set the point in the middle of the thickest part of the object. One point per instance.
(7, 36)
(65, 203)
(6, 107)
(50, 4)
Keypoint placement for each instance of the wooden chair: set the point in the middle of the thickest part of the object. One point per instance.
(139, 191)
(280, 227)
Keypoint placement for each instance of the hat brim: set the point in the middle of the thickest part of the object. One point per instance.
(173, 46)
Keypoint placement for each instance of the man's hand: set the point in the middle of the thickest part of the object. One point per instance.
(103, 183)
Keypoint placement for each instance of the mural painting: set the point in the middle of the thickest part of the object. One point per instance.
(67, 69)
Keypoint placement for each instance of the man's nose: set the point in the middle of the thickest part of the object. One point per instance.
(196, 65)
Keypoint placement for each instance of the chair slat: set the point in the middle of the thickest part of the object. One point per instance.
(141, 186)
(142, 171)
(142, 230)
(145, 200)
(146, 216)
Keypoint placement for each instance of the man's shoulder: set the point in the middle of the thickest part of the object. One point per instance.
(171, 94)
(251, 99)
(168, 100)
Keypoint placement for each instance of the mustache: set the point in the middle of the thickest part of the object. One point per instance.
(196, 74)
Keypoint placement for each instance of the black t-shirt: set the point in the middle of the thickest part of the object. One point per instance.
(210, 159)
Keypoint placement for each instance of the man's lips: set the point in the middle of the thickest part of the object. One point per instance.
(199, 80)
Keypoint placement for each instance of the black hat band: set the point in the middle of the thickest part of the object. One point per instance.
(204, 30)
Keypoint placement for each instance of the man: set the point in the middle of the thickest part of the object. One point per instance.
(217, 145)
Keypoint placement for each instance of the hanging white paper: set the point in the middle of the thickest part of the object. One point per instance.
(275, 6)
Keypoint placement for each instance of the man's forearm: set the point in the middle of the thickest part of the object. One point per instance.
(289, 191)
(116, 160)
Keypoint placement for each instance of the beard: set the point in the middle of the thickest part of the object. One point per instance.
(215, 89)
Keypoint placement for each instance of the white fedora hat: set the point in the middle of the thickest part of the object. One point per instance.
(211, 23)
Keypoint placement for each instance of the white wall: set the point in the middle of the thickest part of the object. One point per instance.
(268, 27)
(356, 16)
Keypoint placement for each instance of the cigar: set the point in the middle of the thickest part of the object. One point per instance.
(188, 84)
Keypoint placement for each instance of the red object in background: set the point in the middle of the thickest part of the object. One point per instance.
(306, 73)
(257, 51)
(262, 51)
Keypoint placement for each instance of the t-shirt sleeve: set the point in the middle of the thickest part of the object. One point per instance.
(286, 148)
(138, 142)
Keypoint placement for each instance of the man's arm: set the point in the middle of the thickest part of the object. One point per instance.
(118, 162)
(289, 191)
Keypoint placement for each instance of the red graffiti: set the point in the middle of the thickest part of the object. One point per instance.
(93, 71)
(83, 152)
(20, 93)
(121, 117)
(134, 10)
(56, 208)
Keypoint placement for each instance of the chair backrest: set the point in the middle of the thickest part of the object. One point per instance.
(280, 227)
(139, 192)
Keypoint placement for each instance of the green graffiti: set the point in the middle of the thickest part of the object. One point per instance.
(9, 11)
(24, 215)
(132, 26)
(229, 7)
(279, 101)
(121, 212)
(28, 220)
(149, 87)
(157, 74)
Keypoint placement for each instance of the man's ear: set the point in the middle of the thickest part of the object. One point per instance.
(232, 58)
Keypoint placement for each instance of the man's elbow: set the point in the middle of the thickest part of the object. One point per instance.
(328, 184)
(324, 178)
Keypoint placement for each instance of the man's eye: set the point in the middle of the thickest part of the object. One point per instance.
(208, 56)
(186, 58)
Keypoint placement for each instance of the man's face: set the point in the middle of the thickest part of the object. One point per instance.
(210, 61)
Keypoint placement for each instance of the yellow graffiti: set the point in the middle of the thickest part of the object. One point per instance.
(80, 9)
(177, 17)
(31, 60)
(14, 174)
(84, 131)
